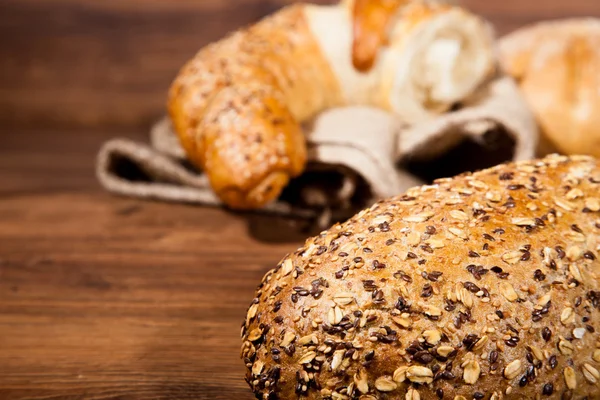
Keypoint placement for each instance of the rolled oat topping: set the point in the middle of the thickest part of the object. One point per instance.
(484, 286)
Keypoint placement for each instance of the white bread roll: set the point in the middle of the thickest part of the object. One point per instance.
(557, 66)
(435, 56)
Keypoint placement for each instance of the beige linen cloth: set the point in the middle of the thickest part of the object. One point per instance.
(356, 156)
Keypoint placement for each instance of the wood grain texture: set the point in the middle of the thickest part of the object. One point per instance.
(135, 303)
(111, 298)
(96, 64)
(86, 63)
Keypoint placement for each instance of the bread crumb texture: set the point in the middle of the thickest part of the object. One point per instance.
(483, 286)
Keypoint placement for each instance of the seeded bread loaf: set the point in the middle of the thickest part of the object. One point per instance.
(484, 286)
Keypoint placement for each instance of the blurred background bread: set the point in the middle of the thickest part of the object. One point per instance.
(557, 65)
(238, 104)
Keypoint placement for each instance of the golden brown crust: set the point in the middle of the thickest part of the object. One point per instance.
(237, 105)
(556, 64)
(370, 21)
(484, 286)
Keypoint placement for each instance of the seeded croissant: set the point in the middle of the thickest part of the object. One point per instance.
(484, 286)
(238, 104)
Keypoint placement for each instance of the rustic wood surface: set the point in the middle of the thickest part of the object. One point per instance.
(112, 298)
(104, 297)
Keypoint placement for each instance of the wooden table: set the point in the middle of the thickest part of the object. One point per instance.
(104, 297)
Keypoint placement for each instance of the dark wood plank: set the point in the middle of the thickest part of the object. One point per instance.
(90, 64)
(36, 163)
(104, 297)
(508, 15)
(111, 298)
(73, 63)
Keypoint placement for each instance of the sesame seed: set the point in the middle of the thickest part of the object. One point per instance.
(576, 228)
(538, 275)
(523, 381)
(553, 361)
(589, 255)
(427, 291)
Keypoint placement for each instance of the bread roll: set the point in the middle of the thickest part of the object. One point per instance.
(557, 65)
(484, 286)
(370, 21)
(238, 104)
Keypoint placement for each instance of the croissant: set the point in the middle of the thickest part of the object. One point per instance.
(370, 20)
(238, 104)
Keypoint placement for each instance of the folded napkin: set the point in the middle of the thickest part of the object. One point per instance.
(356, 155)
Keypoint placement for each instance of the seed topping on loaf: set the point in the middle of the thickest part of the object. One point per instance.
(483, 286)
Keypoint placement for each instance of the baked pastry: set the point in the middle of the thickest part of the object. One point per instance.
(238, 104)
(370, 22)
(483, 286)
(556, 64)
